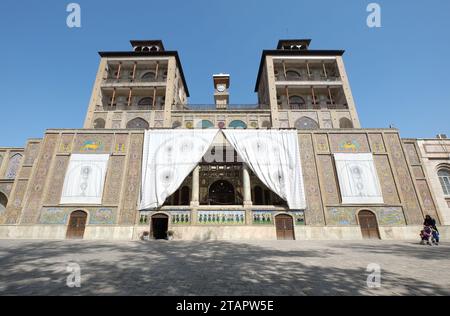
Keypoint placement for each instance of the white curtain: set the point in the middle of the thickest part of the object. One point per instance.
(169, 157)
(84, 180)
(274, 156)
(358, 179)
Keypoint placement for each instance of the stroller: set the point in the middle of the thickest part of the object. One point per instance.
(426, 235)
(435, 236)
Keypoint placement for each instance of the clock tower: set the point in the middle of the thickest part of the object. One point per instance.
(221, 92)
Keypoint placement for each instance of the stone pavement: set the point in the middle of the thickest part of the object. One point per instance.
(223, 268)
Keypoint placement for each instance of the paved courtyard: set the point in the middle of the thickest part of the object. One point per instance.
(222, 268)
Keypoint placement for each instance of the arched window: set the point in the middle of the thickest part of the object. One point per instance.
(293, 75)
(345, 123)
(150, 75)
(138, 123)
(258, 195)
(306, 123)
(238, 124)
(444, 178)
(205, 124)
(99, 123)
(147, 101)
(3, 202)
(13, 166)
(296, 102)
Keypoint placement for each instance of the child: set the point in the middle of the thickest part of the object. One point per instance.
(426, 235)
(435, 238)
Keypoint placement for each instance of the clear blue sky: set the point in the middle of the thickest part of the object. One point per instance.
(400, 73)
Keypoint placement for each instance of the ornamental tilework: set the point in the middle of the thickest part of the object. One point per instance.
(57, 180)
(6, 188)
(13, 166)
(390, 216)
(418, 172)
(113, 183)
(127, 214)
(376, 143)
(321, 142)
(65, 144)
(88, 143)
(425, 195)
(221, 217)
(25, 172)
(341, 216)
(410, 150)
(102, 216)
(262, 217)
(413, 211)
(120, 143)
(53, 216)
(349, 143)
(12, 214)
(314, 209)
(37, 183)
(180, 217)
(31, 153)
(299, 217)
(388, 187)
(328, 179)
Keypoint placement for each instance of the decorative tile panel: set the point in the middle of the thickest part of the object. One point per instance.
(412, 208)
(221, 217)
(314, 210)
(128, 211)
(349, 143)
(37, 184)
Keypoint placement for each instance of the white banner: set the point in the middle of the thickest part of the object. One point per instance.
(358, 179)
(169, 157)
(274, 157)
(85, 178)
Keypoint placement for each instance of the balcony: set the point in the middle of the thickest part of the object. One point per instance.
(214, 107)
(133, 82)
(307, 78)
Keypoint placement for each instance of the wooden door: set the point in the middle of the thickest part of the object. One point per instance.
(77, 225)
(369, 225)
(285, 227)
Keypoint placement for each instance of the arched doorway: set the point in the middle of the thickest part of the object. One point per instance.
(221, 193)
(3, 202)
(285, 227)
(160, 225)
(138, 123)
(77, 225)
(369, 225)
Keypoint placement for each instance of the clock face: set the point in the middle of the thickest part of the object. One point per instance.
(221, 87)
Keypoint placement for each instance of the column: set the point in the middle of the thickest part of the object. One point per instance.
(195, 187)
(195, 195)
(247, 185)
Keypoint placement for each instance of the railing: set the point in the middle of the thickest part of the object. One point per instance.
(310, 106)
(136, 80)
(308, 78)
(134, 106)
(214, 107)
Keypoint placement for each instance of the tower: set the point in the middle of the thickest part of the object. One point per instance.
(306, 89)
(137, 88)
(221, 92)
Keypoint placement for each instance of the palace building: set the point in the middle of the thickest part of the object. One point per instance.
(296, 165)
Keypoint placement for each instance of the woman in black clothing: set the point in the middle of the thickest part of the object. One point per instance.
(429, 221)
